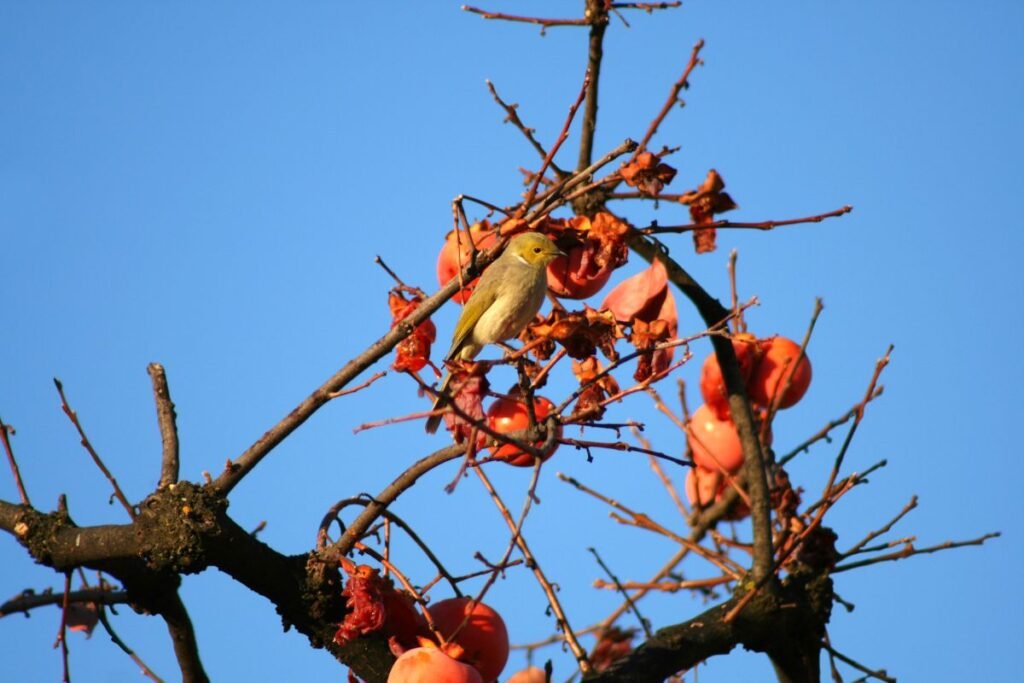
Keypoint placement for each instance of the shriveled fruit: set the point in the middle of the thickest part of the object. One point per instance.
(484, 638)
(508, 415)
(455, 254)
(430, 665)
(778, 365)
(712, 384)
(714, 442)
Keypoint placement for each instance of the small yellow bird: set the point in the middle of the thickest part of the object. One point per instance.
(506, 299)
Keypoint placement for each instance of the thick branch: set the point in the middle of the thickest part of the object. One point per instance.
(183, 635)
(597, 16)
(787, 627)
(713, 313)
(166, 418)
(374, 509)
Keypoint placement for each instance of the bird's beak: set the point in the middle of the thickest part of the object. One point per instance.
(559, 252)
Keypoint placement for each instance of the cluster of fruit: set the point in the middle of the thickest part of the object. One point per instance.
(475, 653)
(776, 376)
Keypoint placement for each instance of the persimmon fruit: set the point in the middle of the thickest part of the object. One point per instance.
(577, 275)
(712, 384)
(714, 442)
(508, 415)
(455, 254)
(484, 638)
(430, 665)
(777, 366)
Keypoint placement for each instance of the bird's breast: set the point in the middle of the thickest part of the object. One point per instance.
(514, 308)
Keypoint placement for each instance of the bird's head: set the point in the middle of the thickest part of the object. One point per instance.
(534, 249)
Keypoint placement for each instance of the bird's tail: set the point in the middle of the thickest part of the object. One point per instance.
(434, 421)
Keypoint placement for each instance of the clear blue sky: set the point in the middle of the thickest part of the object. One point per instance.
(207, 186)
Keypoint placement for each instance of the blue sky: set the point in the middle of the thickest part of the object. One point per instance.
(207, 186)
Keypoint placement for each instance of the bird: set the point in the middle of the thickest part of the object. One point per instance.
(505, 300)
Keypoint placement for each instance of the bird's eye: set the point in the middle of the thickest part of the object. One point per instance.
(536, 250)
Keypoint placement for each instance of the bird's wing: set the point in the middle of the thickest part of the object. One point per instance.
(480, 301)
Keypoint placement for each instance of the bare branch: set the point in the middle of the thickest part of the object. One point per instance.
(713, 314)
(885, 529)
(512, 116)
(30, 600)
(73, 416)
(540, 21)
(880, 674)
(5, 435)
(531, 561)
(374, 509)
(909, 551)
(655, 229)
(166, 418)
(183, 635)
(146, 671)
(673, 96)
(644, 623)
(597, 16)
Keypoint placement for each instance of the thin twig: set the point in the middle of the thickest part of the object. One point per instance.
(885, 529)
(517, 531)
(380, 262)
(5, 432)
(665, 586)
(879, 366)
(512, 116)
(673, 97)
(92, 451)
(62, 636)
(644, 624)
(825, 432)
(644, 521)
(665, 480)
(562, 136)
(785, 379)
(880, 674)
(625, 447)
(556, 607)
(101, 614)
(26, 601)
(655, 229)
(351, 390)
(540, 21)
(909, 551)
(332, 515)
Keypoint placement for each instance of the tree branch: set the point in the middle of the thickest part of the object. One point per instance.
(166, 418)
(183, 635)
(597, 16)
(713, 313)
